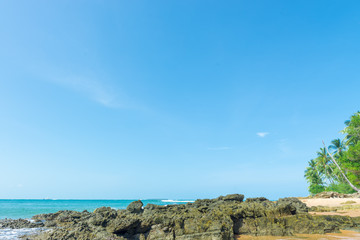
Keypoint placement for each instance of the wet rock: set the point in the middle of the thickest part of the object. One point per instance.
(159, 232)
(287, 225)
(296, 205)
(258, 199)
(151, 207)
(135, 207)
(206, 219)
(20, 223)
(232, 197)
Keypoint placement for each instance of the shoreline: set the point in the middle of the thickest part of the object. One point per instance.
(333, 206)
(344, 234)
(330, 202)
(226, 217)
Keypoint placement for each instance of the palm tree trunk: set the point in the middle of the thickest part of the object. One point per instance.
(337, 165)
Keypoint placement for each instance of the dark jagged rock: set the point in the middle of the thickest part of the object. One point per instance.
(151, 207)
(296, 205)
(20, 223)
(232, 197)
(330, 195)
(335, 195)
(287, 225)
(215, 219)
(135, 207)
(258, 199)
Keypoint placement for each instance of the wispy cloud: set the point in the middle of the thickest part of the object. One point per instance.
(285, 148)
(93, 89)
(262, 134)
(218, 148)
(87, 83)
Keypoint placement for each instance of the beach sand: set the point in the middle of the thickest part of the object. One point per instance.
(329, 236)
(326, 202)
(329, 202)
(335, 202)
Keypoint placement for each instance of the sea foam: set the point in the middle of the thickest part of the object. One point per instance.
(9, 233)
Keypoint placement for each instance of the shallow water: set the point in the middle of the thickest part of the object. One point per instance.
(26, 208)
(16, 233)
(18, 208)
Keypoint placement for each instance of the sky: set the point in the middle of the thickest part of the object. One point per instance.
(171, 99)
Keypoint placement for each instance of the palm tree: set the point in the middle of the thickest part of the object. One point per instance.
(338, 146)
(312, 176)
(311, 173)
(343, 174)
(323, 165)
(352, 129)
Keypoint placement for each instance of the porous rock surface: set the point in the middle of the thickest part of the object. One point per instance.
(335, 195)
(206, 219)
(19, 223)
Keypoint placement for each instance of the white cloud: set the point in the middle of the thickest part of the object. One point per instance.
(219, 148)
(262, 134)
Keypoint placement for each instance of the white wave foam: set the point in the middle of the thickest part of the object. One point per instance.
(12, 234)
(177, 201)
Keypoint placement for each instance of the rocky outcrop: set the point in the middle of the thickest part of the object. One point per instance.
(19, 223)
(135, 207)
(335, 195)
(258, 199)
(215, 219)
(294, 204)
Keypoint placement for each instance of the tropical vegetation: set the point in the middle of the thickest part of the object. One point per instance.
(337, 167)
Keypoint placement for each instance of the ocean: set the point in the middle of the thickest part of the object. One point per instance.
(26, 208)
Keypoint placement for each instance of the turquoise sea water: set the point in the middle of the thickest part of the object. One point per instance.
(18, 208)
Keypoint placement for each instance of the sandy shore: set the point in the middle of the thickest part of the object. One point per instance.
(341, 203)
(330, 202)
(329, 236)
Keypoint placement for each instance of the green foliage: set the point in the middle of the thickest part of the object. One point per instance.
(316, 188)
(351, 159)
(312, 176)
(323, 175)
(340, 188)
(352, 164)
(352, 130)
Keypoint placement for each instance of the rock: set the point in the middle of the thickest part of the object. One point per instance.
(355, 195)
(19, 223)
(135, 207)
(258, 199)
(233, 197)
(287, 225)
(296, 205)
(329, 195)
(159, 232)
(127, 226)
(207, 219)
(335, 195)
(151, 207)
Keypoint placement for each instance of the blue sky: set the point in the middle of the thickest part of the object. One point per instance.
(171, 99)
